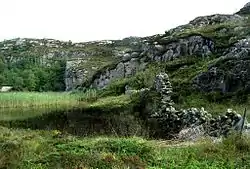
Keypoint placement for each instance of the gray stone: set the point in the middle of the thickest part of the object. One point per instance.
(168, 55)
(160, 48)
(126, 57)
(135, 54)
(182, 122)
(247, 5)
(74, 75)
(245, 10)
(217, 78)
(214, 19)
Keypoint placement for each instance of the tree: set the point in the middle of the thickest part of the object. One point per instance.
(2, 66)
(29, 79)
(2, 80)
(14, 79)
(42, 78)
(18, 83)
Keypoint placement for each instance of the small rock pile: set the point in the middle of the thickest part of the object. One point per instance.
(172, 121)
(164, 87)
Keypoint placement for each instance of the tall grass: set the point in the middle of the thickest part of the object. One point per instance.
(46, 99)
(19, 105)
(35, 99)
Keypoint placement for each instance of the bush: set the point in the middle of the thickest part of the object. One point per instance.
(115, 88)
(10, 154)
(237, 142)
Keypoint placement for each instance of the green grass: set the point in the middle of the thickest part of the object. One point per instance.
(43, 149)
(36, 99)
(23, 105)
(111, 102)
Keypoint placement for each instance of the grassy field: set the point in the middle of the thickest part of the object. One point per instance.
(39, 149)
(43, 149)
(22, 105)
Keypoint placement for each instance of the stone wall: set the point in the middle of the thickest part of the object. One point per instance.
(171, 121)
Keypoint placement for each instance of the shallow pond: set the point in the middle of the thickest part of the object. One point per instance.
(77, 121)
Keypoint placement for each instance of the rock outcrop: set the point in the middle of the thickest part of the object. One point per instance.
(245, 10)
(121, 70)
(228, 73)
(74, 75)
(161, 51)
(202, 21)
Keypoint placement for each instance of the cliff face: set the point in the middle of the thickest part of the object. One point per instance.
(221, 41)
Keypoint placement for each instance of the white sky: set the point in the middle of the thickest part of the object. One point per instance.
(85, 20)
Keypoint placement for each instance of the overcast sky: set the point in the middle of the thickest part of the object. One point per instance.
(85, 20)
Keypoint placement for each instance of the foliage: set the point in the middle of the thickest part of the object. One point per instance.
(28, 74)
(25, 105)
(221, 33)
(54, 149)
(89, 95)
(142, 79)
(2, 80)
(115, 88)
(36, 99)
(51, 149)
(111, 102)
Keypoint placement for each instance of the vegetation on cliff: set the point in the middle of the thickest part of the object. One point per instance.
(47, 129)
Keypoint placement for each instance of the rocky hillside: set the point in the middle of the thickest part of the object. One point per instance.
(209, 54)
(80, 61)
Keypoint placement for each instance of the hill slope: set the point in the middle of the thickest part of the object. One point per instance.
(210, 53)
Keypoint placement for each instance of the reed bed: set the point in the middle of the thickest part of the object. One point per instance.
(36, 99)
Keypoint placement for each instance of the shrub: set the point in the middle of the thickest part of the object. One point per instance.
(89, 95)
(10, 154)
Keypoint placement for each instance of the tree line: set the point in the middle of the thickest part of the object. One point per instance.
(29, 74)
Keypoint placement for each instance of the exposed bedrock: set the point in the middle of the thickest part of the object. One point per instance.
(228, 73)
(138, 60)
